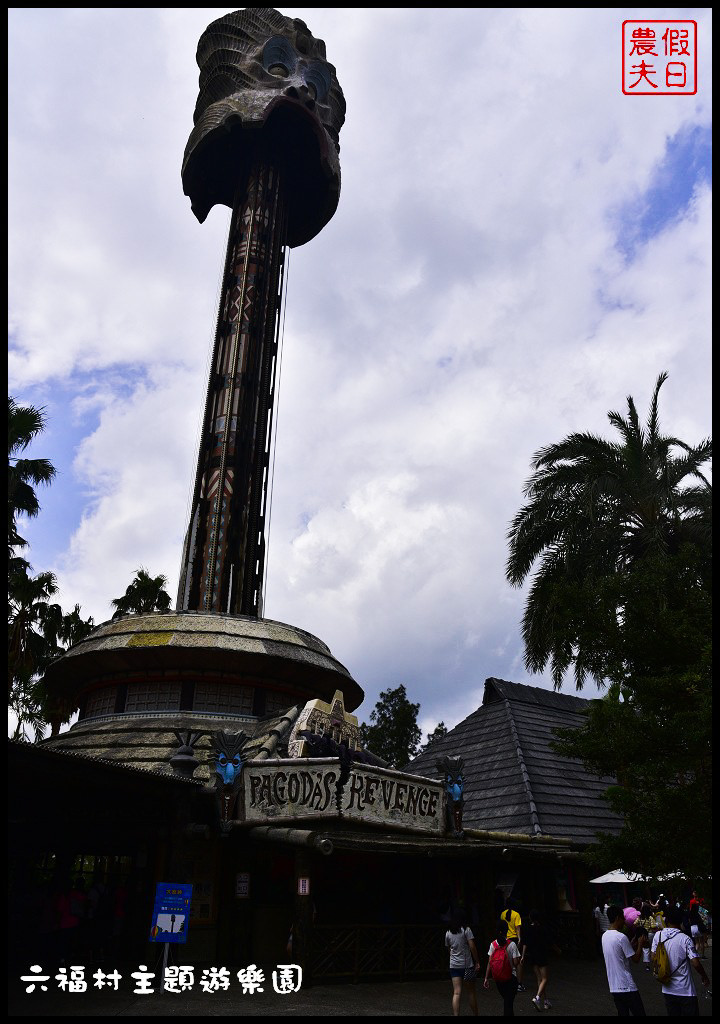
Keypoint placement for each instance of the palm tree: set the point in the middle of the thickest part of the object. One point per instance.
(24, 424)
(74, 628)
(38, 633)
(145, 594)
(31, 624)
(597, 511)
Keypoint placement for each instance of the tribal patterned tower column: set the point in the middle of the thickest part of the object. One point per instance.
(265, 143)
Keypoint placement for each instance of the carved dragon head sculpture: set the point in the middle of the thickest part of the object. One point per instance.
(265, 82)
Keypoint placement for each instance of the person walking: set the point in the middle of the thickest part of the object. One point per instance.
(645, 925)
(662, 905)
(535, 952)
(70, 908)
(632, 915)
(514, 933)
(601, 922)
(678, 989)
(697, 928)
(617, 952)
(502, 966)
(464, 964)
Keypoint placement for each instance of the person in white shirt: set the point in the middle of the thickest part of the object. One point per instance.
(617, 952)
(678, 991)
(601, 922)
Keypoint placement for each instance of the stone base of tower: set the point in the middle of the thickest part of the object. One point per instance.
(137, 681)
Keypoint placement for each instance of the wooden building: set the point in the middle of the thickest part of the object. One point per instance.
(362, 863)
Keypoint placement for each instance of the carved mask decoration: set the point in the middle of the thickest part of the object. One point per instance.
(451, 769)
(228, 757)
(265, 85)
(454, 784)
(228, 770)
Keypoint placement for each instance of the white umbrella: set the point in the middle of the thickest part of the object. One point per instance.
(617, 877)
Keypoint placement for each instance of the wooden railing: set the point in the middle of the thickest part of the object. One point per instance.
(567, 930)
(397, 951)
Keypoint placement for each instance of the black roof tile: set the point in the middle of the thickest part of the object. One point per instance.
(514, 781)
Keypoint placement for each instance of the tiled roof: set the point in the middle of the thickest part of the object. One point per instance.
(35, 750)
(514, 782)
(149, 742)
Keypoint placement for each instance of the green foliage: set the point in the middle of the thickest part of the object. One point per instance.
(24, 424)
(653, 729)
(38, 629)
(38, 632)
(438, 732)
(597, 509)
(656, 742)
(393, 733)
(621, 536)
(145, 594)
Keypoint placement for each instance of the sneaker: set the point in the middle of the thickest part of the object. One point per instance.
(548, 1006)
(536, 1003)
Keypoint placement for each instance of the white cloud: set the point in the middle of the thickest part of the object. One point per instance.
(466, 305)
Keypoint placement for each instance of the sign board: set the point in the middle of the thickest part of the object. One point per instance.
(299, 789)
(242, 885)
(303, 886)
(171, 913)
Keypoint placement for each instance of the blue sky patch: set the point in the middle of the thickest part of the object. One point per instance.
(685, 167)
(50, 532)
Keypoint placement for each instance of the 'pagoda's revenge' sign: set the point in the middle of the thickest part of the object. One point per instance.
(315, 788)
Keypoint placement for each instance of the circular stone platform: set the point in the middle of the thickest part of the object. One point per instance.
(282, 661)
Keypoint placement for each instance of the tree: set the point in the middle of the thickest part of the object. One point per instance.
(597, 510)
(145, 594)
(438, 732)
(24, 424)
(394, 733)
(38, 632)
(28, 612)
(38, 629)
(623, 593)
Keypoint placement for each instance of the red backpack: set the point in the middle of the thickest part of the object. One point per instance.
(500, 966)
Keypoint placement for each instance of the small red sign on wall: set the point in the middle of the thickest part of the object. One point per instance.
(659, 58)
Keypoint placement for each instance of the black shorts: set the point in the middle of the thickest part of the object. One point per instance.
(681, 1006)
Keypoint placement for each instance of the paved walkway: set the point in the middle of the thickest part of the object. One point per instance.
(576, 989)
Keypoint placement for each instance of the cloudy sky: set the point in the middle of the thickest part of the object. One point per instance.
(518, 246)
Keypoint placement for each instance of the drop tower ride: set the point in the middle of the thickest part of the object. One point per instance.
(265, 143)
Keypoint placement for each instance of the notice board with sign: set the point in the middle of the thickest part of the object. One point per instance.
(171, 912)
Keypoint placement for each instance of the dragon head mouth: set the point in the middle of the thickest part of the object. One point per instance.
(265, 83)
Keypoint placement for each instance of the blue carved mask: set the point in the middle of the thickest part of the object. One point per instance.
(454, 786)
(228, 769)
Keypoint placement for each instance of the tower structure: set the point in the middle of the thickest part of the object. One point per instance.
(265, 143)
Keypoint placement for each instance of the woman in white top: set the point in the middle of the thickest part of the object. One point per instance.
(464, 963)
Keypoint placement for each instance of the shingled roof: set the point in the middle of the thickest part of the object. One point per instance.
(514, 782)
(148, 742)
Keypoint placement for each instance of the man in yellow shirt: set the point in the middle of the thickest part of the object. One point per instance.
(514, 933)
